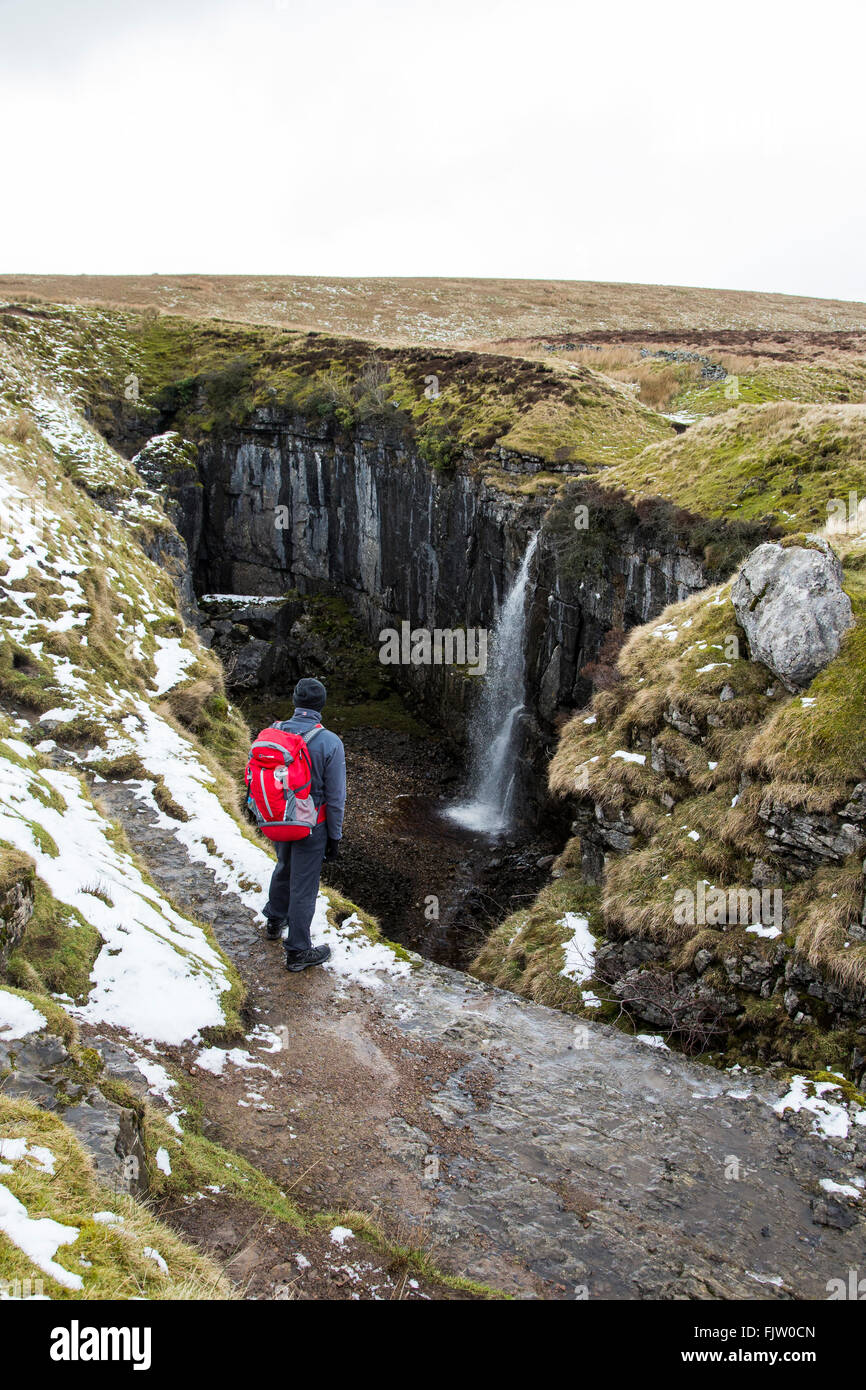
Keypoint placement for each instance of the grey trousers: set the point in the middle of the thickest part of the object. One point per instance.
(294, 885)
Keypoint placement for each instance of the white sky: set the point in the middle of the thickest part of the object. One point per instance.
(676, 142)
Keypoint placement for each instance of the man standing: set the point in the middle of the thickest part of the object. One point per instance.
(295, 880)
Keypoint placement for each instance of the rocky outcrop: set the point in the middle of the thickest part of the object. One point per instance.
(16, 901)
(805, 840)
(252, 640)
(41, 1068)
(168, 467)
(791, 605)
(571, 616)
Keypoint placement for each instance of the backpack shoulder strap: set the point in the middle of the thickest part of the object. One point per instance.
(311, 734)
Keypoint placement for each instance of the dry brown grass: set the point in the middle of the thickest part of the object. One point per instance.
(736, 364)
(654, 382)
(187, 702)
(720, 776)
(829, 904)
(20, 428)
(659, 386)
(606, 360)
(448, 311)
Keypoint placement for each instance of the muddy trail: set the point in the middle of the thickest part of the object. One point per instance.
(542, 1159)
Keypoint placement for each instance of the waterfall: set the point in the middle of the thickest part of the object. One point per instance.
(494, 731)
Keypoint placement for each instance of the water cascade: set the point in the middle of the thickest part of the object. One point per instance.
(495, 728)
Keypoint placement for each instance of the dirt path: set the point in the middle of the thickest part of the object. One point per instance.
(546, 1161)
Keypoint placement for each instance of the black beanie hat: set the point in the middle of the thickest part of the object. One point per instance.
(310, 694)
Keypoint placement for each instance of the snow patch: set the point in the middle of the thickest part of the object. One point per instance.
(824, 1101)
(629, 757)
(172, 659)
(18, 1017)
(579, 949)
(39, 1238)
(843, 1189)
(354, 958)
(156, 975)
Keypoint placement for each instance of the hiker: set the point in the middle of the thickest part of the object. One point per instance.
(295, 880)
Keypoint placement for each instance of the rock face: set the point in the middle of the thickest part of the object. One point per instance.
(806, 841)
(167, 463)
(791, 605)
(40, 1068)
(289, 505)
(285, 503)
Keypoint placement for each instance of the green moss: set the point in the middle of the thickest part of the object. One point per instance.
(225, 733)
(49, 796)
(197, 1163)
(782, 462)
(166, 802)
(127, 767)
(847, 1089)
(405, 1256)
(24, 679)
(58, 1021)
(58, 946)
(80, 732)
(525, 953)
(438, 443)
(43, 839)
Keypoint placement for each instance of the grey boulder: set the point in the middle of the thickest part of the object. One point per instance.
(790, 603)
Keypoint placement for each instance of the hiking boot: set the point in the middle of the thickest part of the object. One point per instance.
(299, 960)
(274, 929)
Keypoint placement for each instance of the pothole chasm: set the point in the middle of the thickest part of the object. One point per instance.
(435, 885)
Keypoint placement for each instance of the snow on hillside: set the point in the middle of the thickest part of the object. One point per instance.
(156, 975)
(95, 625)
(93, 652)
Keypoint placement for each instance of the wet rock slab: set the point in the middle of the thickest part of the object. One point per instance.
(39, 1068)
(609, 1167)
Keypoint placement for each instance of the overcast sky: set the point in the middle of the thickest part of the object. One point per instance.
(675, 142)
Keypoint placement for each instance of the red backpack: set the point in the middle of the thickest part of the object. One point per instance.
(279, 776)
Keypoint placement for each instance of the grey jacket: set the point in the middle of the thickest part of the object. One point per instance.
(328, 759)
